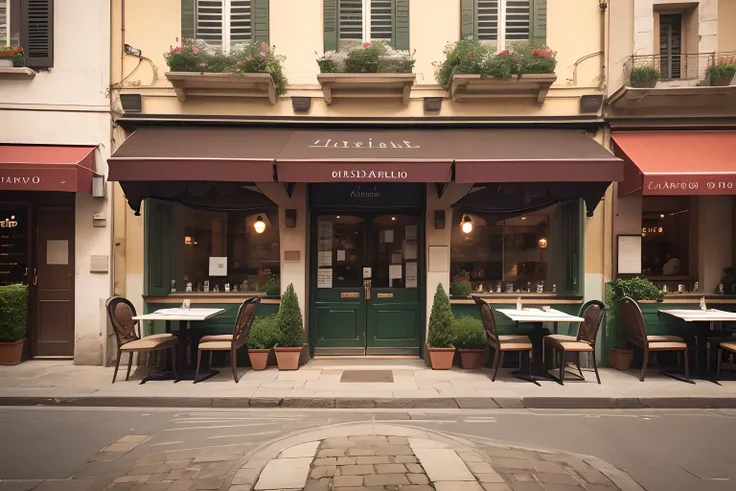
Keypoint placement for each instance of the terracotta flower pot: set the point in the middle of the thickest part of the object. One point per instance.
(620, 359)
(11, 353)
(258, 358)
(471, 358)
(441, 358)
(288, 358)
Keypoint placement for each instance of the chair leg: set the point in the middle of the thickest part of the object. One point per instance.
(562, 367)
(687, 368)
(644, 363)
(531, 354)
(496, 359)
(130, 364)
(544, 343)
(233, 361)
(580, 371)
(173, 363)
(718, 361)
(117, 365)
(209, 362)
(199, 362)
(595, 366)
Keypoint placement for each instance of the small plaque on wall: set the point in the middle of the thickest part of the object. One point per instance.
(439, 259)
(292, 256)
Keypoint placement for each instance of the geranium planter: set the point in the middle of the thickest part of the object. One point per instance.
(644, 84)
(259, 358)
(471, 359)
(288, 358)
(473, 87)
(11, 353)
(366, 85)
(187, 84)
(441, 358)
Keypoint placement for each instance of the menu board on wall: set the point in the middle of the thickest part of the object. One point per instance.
(629, 254)
(13, 246)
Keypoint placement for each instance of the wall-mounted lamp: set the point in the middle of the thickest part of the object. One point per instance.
(99, 187)
(542, 243)
(260, 225)
(466, 225)
(439, 219)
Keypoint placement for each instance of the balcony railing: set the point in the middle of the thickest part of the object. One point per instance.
(686, 67)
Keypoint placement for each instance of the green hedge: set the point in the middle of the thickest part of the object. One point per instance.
(264, 333)
(13, 312)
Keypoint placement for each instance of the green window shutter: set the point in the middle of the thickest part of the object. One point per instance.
(538, 26)
(157, 238)
(571, 234)
(468, 21)
(329, 17)
(259, 12)
(401, 24)
(188, 19)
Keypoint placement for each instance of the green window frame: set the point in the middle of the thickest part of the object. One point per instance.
(469, 20)
(259, 10)
(399, 24)
(157, 234)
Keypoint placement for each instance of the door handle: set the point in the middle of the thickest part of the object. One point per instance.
(367, 289)
(35, 277)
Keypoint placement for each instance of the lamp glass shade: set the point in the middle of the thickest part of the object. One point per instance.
(542, 243)
(467, 225)
(260, 225)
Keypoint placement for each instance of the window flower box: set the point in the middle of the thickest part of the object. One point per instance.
(248, 70)
(372, 70)
(471, 70)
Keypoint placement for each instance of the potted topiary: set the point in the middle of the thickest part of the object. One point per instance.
(638, 288)
(439, 338)
(290, 331)
(461, 286)
(644, 77)
(13, 322)
(470, 340)
(261, 338)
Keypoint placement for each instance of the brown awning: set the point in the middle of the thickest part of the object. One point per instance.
(383, 155)
(667, 163)
(533, 156)
(46, 168)
(197, 154)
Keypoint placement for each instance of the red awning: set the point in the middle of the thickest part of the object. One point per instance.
(46, 168)
(667, 163)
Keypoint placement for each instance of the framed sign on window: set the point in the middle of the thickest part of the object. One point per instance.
(628, 254)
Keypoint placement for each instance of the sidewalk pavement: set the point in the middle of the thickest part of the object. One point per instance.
(318, 385)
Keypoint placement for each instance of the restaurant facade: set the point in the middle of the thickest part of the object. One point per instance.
(55, 226)
(674, 210)
(365, 203)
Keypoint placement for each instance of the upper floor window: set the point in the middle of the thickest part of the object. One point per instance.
(349, 23)
(30, 24)
(225, 23)
(502, 22)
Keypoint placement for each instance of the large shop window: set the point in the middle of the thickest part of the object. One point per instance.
(214, 251)
(537, 252)
(668, 231)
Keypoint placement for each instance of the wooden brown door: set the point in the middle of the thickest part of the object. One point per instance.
(53, 282)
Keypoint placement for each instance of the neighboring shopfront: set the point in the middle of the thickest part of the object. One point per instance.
(364, 223)
(38, 193)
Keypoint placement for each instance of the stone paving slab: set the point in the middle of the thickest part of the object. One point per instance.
(41, 382)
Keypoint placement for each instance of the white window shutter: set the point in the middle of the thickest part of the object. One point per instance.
(488, 17)
(240, 22)
(224, 23)
(210, 19)
(382, 20)
(518, 20)
(351, 19)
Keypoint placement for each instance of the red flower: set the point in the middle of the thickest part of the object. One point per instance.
(543, 51)
(504, 52)
(514, 60)
(177, 39)
(367, 44)
(470, 53)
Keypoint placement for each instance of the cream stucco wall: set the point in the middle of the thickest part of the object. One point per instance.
(68, 105)
(726, 31)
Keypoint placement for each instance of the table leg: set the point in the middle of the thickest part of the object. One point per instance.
(538, 370)
(185, 370)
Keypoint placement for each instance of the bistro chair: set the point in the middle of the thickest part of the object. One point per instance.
(730, 347)
(637, 335)
(121, 311)
(230, 342)
(501, 343)
(593, 312)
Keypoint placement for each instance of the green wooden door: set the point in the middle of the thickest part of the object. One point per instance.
(366, 284)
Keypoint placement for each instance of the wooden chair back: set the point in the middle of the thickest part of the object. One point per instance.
(121, 311)
(593, 312)
(244, 320)
(489, 323)
(634, 327)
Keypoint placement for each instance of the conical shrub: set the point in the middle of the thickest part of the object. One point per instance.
(289, 320)
(440, 320)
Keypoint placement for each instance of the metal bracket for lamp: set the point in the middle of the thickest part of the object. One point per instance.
(99, 186)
